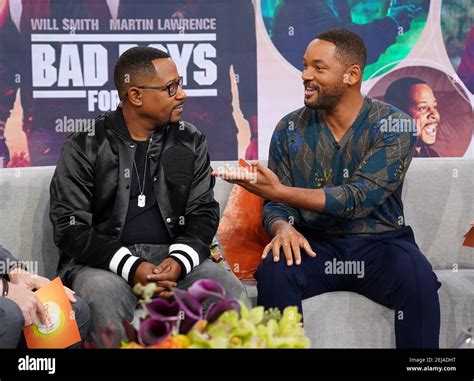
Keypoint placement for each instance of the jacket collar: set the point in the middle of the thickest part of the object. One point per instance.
(117, 123)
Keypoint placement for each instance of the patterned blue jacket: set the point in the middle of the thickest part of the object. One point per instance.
(361, 175)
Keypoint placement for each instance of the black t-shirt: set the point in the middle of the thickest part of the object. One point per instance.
(143, 224)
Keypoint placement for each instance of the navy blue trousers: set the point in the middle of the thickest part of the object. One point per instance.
(394, 273)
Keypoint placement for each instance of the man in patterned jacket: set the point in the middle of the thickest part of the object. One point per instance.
(333, 194)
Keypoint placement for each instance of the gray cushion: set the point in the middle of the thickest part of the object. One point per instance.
(343, 319)
(348, 320)
(456, 297)
(438, 197)
(26, 230)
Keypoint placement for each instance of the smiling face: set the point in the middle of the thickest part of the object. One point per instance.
(424, 108)
(322, 76)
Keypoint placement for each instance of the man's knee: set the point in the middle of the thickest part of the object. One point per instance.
(105, 292)
(209, 270)
(233, 286)
(11, 323)
(97, 284)
(270, 272)
(413, 272)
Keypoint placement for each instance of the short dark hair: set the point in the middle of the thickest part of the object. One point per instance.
(350, 48)
(397, 93)
(135, 62)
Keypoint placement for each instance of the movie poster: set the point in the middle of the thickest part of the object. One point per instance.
(236, 57)
(57, 59)
(430, 41)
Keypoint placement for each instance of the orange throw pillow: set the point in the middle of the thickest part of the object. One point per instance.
(241, 233)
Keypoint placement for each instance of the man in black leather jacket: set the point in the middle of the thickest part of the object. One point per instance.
(132, 199)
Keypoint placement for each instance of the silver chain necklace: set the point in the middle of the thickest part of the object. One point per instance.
(141, 188)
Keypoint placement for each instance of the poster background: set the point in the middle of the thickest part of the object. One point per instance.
(64, 74)
(284, 92)
(455, 132)
(280, 89)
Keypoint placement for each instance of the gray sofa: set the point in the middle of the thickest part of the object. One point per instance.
(439, 202)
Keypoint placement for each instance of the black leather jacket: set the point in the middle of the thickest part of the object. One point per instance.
(90, 191)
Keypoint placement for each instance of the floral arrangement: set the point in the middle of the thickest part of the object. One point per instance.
(227, 323)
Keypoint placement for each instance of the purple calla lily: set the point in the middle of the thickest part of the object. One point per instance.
(218, 308)
(162, 309)
(187, 324)
(205, 288)
(190, 307)
(154, 331)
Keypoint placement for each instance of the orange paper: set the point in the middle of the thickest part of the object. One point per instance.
(469, 238)
(61, 330)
